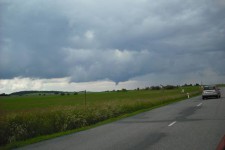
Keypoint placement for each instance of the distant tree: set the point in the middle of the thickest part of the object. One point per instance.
(170, 87)
(62, 94)
(155, 88)
(56, 93)
(185, 84)
(3, 94)
(75, 93)
(147, 88)
(124, 90)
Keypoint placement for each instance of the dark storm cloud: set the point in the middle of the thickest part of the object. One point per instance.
(118, 40)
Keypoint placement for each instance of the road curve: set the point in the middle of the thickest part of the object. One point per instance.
(191, 124)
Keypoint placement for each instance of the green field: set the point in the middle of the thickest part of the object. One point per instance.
(24, 117)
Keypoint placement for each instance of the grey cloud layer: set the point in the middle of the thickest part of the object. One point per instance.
(93, 40)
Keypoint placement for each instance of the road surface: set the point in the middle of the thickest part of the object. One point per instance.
(192, 124)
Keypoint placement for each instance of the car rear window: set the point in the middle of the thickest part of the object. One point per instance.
(209, 87)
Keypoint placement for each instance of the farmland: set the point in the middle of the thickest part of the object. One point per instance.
(28, 116)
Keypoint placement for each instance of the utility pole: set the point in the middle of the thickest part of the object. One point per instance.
(85, 98)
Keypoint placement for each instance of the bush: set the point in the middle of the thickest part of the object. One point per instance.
(169, 87)
(155, 88)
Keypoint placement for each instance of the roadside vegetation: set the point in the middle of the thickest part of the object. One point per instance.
(221, 85)
(28, 116)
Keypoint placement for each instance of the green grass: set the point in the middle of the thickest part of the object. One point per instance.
(26, 103)
(28, 119)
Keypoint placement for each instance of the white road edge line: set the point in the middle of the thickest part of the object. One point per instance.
(172, 124)
(199, 105)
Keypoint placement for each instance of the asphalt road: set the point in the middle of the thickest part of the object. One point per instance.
(192, 124)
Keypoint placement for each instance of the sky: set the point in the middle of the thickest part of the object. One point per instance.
(100, 45)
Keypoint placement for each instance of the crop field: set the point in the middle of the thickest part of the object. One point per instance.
(28, 116)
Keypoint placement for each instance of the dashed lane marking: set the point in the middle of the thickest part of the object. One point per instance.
(199, 105)
(172, 124)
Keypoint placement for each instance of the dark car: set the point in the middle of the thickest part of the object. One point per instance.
(210, 91)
